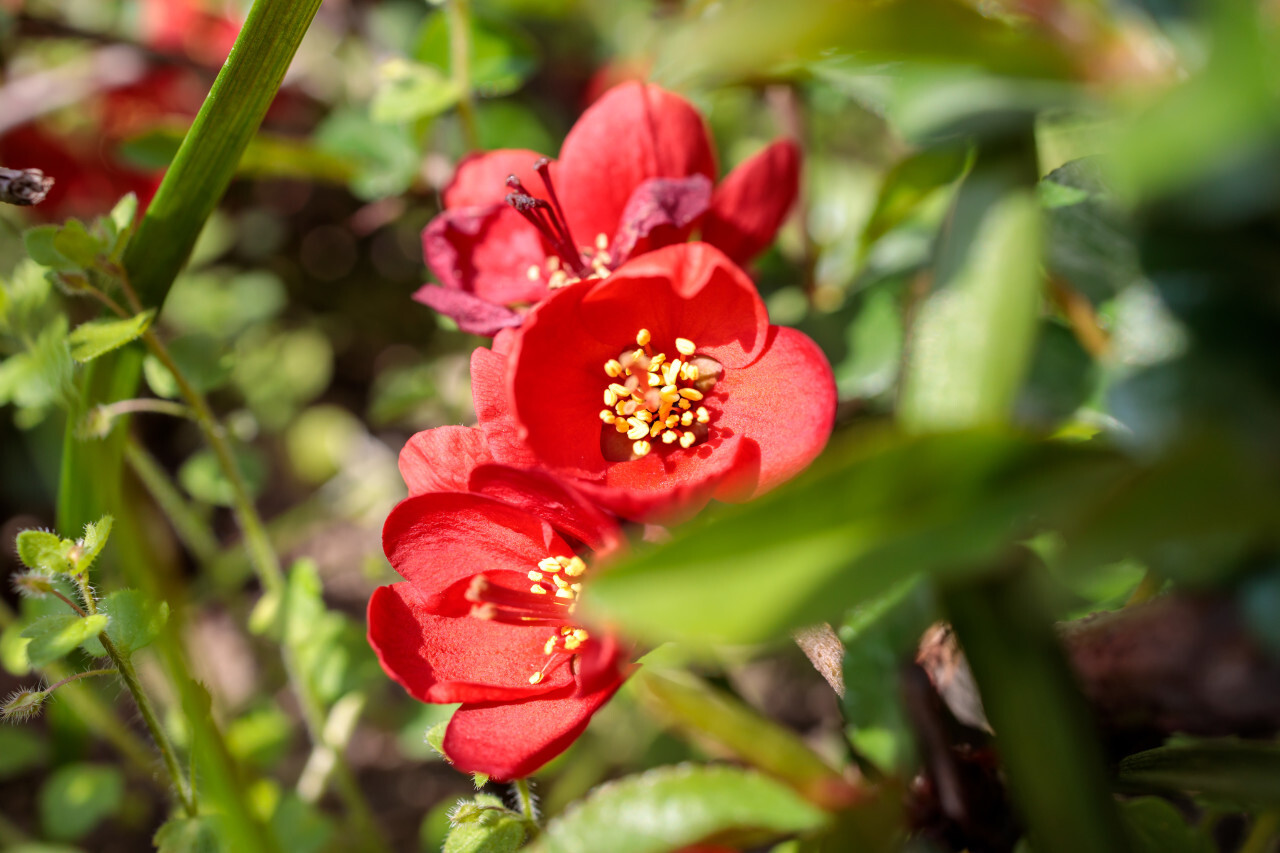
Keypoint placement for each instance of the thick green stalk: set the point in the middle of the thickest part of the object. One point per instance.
(525, 798)
(207, 159)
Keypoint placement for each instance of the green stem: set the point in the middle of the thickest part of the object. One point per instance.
(130, 678)
(94, 713)
(145, 404)
(76, 607)
(88, 673)
(187, 524)
(525, 798)
(459, 12)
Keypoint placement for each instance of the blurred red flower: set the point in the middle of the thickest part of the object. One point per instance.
(657, 388)
(485, 614)
(635, 173)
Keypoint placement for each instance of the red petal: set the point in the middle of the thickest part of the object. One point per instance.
(540, 494)
(493, 404)
(633, 133)
(486, 251)
(442, 459)
(511, 740)
(481, 179)
(473, 315)
(456, 659)
(783, 405)
(441, 538)
(750, 204)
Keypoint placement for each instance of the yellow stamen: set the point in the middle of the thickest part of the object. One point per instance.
(639, 429)
(535, 678)
(613, 367)
(642, 338)
(672, 371)
(686, 419)
(553, 263)
(640, 448)
(560, 582)
(576, 567)
(684, 404)
(690, 372)
(670, 436)
(607, 416)
(564, 593)
(535, 575)
(564, 562)
(537, 590)
(610, 397)
(658, 426)
(687, 440)
(691, 393)
(685, 346)
(644, 416)
(550, 564)
(550, 646)
(602, 241)
(620, 424)
(621, 390)
(703, 415)
(534, 273)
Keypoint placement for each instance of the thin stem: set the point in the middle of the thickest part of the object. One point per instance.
(144, 404)
(459, 12)
(76, 607)
(187, 524)
(130, 678)
(79, 675)
(525, 798)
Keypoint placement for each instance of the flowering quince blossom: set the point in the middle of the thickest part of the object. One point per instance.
(635, 174)
(485, 613)
(656, 388)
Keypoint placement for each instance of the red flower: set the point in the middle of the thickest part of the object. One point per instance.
(485, 613)
(656, 388)
(634, 174)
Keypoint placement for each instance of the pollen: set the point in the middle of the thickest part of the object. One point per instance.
(535, 678)
(535, 576)
(534, 273)
(651, 400)
(537, 590)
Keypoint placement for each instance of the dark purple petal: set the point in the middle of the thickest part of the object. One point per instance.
(472, 314)
(660, 212)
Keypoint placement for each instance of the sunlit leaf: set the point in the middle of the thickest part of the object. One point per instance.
(54, 636)
(77, 797)
(96, 337)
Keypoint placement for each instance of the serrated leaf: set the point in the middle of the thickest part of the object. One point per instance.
(435, 738)
(120, 221)
(54, 636)
(134, 621)
(92, 339)
(74, 242)
(408, 91)
(43, 551)
(672, 807)
(95, 538)
(189, 835)
(77, 797)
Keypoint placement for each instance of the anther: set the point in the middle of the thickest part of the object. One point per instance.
(535, 678)
(602, 242)
(534, 273)
(537, 590)
(613, 368)
(685, 346)
(703, 415)
(670, 436)
(576, 567)
(607, 416)
(640, 448)
(535, 575)
(687, 440)
(691, 394)
(642, 337)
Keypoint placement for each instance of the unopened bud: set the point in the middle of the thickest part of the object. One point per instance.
(32, 585)
(22, 705)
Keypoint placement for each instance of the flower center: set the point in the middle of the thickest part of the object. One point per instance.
(655, 401)
(568, 262)
(551, 598)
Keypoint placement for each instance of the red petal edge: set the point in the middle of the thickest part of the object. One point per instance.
(753, 200)
(442, 459)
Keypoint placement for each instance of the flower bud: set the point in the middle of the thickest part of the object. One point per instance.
(22, 705)
(33, 585)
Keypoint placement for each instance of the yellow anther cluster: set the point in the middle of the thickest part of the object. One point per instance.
(550, 576)
(650, 398)
(599, 259)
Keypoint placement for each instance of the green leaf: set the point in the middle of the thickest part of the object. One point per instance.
(696, 706)
(408, 91)
(91, 545)
(54, 636)
(672, 807)
(43, 551)
(40, 245)
(435, 737)
(385, 157)
(77, 797)
(123, 215)
(135, 620)
(973, 337)
(203, 360)
(1155, 826)
(484, 829)
(873, 512)
(908, 184)
(1087, 239)
(189, 835)
(1237, 773)
(77, 245)
(261, 736)
(21, 749)
(299, 827)
(92, 339)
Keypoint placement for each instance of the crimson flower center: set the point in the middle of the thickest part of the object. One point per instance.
(653, 400)
(568, 261)
(551, 599)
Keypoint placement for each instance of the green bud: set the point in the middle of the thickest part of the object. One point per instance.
(33, 585)
(22, 705)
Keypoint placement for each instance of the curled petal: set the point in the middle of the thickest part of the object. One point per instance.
(442, 459)
(473, 315)
(753, 200)
(660, 212)
(511, 740)
(635, 132)
(455, 659)
(492, 403)
(487, 252)
(549, 498)
(785, 405)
